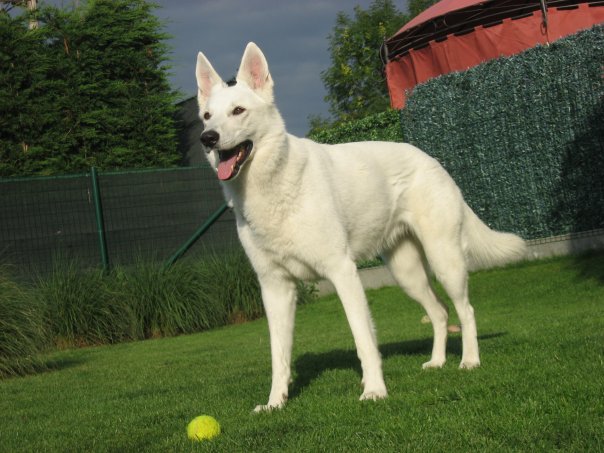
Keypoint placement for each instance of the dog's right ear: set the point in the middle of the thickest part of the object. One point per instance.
(207, 78)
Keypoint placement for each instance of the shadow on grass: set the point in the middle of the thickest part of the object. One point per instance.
(52, 365)
(310, 366)
(37, 365)
(590, 266)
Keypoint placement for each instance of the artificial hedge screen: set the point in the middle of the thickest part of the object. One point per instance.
(522, 136)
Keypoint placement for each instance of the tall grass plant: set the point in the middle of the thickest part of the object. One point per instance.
(23, 333)
(73, 306)
(80, 306)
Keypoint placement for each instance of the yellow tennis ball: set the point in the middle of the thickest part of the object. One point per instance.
(203, 427)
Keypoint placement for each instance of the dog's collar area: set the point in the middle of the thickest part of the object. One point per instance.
(231, 160)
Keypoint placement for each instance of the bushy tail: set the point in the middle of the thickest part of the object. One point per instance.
(486, 248)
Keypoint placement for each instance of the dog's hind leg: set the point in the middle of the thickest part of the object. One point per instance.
(406, 264)
(352, 295)
(447, 260)
(279, 298)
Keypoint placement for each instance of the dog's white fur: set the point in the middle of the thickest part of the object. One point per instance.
(306, 210)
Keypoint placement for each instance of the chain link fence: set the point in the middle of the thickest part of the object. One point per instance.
(522, 136)
(147, 215)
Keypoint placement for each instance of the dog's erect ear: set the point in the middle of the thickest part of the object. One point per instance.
(207, 78)
(254, 72)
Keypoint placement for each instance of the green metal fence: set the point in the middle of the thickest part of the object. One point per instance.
(103, 219)
(522, 136)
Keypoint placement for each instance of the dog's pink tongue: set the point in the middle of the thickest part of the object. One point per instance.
(225, 168)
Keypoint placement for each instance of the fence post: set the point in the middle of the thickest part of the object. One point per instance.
(100, 221)
(207, 224)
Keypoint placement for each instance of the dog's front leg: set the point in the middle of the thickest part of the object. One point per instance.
(279, 298)
(350, 289)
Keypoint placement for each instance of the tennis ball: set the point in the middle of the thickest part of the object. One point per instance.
(203, 427)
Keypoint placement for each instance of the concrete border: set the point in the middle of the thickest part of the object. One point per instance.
(567, 244)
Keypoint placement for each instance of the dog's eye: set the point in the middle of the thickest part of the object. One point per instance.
(207, 116)
(238, 110)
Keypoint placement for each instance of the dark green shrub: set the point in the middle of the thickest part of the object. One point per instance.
(88, 87)
(80, 308)
(74, 306)
(383, 126)
(228, 278)
(165, 301)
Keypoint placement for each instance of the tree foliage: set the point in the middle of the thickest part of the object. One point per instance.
(383, 126)
(87, 88)
(355, 81)
(418, 6)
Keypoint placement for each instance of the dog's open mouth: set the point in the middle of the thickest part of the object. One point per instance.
(232, 159)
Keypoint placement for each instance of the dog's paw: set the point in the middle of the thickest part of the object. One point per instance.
(271, 406)
(469, 364)
(374, 395)
(263, 408)
(267, 407)
(434, 363)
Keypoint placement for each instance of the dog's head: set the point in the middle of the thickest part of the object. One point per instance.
(235, 115)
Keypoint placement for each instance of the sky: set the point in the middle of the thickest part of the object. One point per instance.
(293, 36)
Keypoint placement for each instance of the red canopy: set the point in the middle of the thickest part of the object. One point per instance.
(454, 35)
(438, 9)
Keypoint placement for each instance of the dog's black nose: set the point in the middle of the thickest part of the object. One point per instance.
(209, 138)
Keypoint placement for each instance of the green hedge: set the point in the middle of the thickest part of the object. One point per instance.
(88, 87)
(383, 126)
(522, 136)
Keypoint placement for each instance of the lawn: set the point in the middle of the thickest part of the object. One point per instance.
(540, 387)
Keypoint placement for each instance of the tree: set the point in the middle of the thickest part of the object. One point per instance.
(355, 81)
(21, 71)
(98, 93)
(418, 6)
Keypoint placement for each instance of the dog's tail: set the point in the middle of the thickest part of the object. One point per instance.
(488, 248)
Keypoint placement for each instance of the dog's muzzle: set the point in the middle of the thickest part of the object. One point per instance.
(231, 160)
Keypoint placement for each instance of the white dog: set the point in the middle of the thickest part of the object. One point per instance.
(306, 210)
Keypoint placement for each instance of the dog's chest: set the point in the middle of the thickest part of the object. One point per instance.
(270, 225)
(275, 234)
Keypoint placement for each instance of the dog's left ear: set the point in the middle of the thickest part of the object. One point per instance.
(254, 72)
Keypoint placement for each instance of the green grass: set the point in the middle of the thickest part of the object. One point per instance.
(540, 387)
